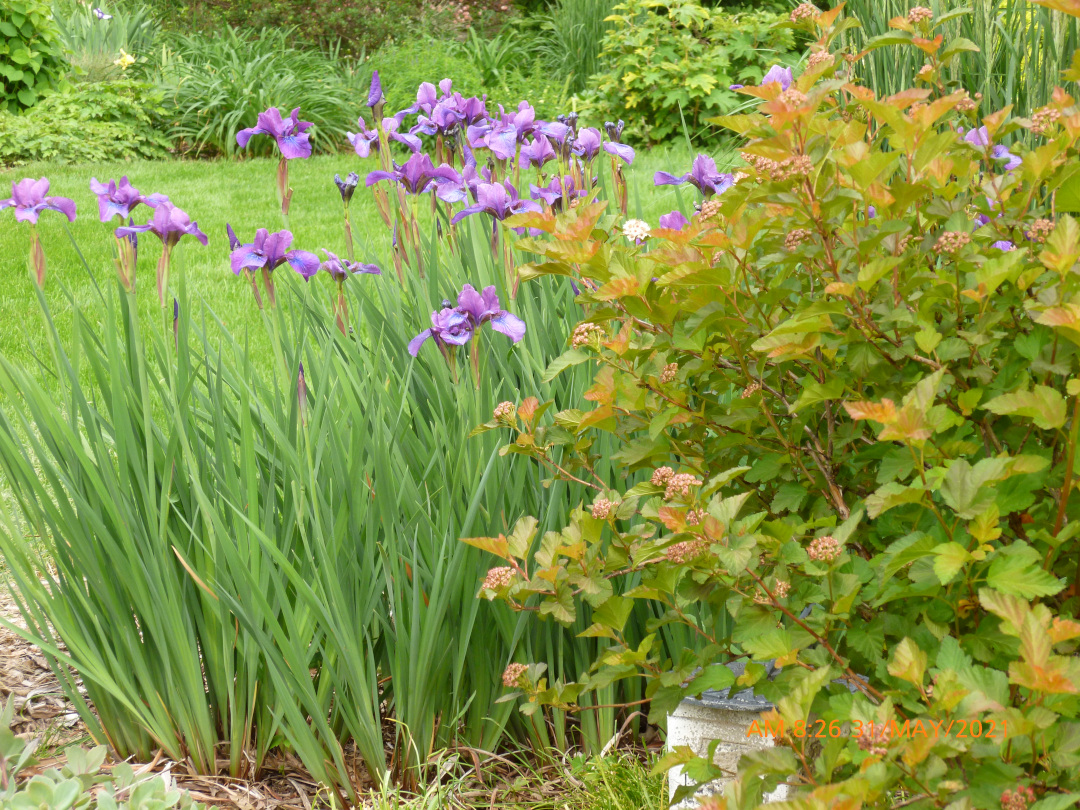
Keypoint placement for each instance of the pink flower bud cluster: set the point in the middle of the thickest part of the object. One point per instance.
(1018, 799)
(818, 58)
(505, 412)
(874, 738)
(694, 517)
(780, 170)
(680, 485)
(584, 333)
(661, 475)
(514, 675)
(686, 551)
(952, 242)
(671, 370)
(919, 14)
(498, 578)
(804, 11)
(1040, 230)
(792, 97)
(796, 237)
(750, 390)
(710, 208)
(824, 549)
(1042, 121)
(601, 508)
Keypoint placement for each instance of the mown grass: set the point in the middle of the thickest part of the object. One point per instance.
(215, 193)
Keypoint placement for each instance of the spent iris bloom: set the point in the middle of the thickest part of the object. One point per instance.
(674, 221)
(498, 199)
(365, 140)
(778, 75)
(269, 251)
(703, 175)
(449, 327)
(341, 269)
(484, 307)
(417, 175)
(28, 198)
(290, 133)
(119, 198)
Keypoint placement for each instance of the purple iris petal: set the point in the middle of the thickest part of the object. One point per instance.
(871, 212)
(587, 144)
(449, 327)
(778, 75)
(340, 269)
(555, 130)
(498, 199)
(118, 199)
(417, 175)
(234, 242)
(484, 307)
(303, 262)
(736, 86)
(1003, 244)
(675, 221)
(28, 197)
(536, 153)
(620, 150)
(703, 175)
(290, 133)
(1001, 152)
(169, 225)
(978, 137)
(363, 141)
(981, 219)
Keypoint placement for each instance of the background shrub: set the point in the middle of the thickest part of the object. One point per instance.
(31, 58)
(663, 62)
(217, 85)
(404, 64)
(102, 121)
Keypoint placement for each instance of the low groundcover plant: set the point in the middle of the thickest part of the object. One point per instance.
(847, 397)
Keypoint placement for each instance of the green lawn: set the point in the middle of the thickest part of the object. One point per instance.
(214, 193)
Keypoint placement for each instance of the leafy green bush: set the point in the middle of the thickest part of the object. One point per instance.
(673, 60)
(31, 57)
(104, 121)
(847, 393)
(216, 85)
(403, 65)
(94, 45)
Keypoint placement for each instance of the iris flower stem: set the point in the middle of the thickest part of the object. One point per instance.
(348, 235)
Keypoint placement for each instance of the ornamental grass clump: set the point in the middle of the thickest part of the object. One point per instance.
(863, 470)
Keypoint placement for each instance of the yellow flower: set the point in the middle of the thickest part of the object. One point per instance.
(125, 61)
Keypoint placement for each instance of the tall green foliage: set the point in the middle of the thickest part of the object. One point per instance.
(1012, 52)
(572, 32)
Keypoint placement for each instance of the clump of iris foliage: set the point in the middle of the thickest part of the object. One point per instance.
(234, 555)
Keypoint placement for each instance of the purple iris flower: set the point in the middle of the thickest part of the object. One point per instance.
(120, 198)
(169, 224)
(443, 119)
(675, 221)
(871, 212)
(290, 133)
(498, 199)
(365, 140)
(552, 193)
(449, 327)
(341, 269)
(484, 307)
(1003, 244)
(1001, 152)
(980, 220)
(269, 251)
(29, 199)
(703, 175)
(554, 130)
(736, 86)
(587, 143)
(536, 153)
(417, 175)
(500, 137)
(620, 150)
(778, 75)
(977, 137)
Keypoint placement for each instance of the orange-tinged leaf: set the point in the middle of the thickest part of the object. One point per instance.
(1012, 610)
(910, 425)
(617, 288)
(928, 46)
(527, 409)
(602, 418)
(883, 412)
(1052, 679)
(579, 222)
(499, 546)
(1071, 7)
(1063, 630)
(673, 519)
